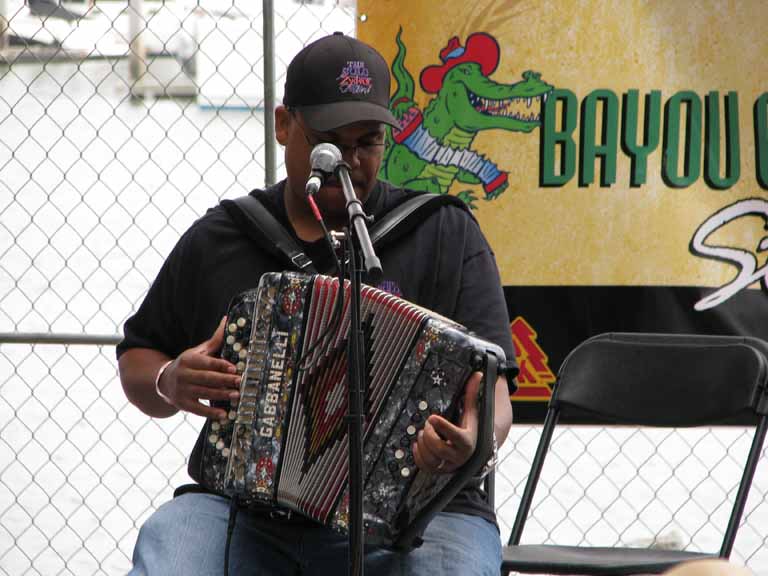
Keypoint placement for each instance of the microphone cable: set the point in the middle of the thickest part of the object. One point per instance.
(331, 329)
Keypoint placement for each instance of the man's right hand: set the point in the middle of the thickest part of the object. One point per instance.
(199, 374)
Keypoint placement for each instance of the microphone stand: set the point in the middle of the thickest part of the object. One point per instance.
(360, 248)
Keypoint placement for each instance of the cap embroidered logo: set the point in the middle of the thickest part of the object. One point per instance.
(354, 78)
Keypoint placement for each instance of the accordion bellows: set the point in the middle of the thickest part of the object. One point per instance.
(285, 444)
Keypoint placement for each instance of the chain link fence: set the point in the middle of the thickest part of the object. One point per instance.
(120, 123)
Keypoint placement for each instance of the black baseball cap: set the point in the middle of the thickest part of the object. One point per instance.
(338, 80)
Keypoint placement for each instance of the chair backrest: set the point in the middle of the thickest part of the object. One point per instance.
(666, 380)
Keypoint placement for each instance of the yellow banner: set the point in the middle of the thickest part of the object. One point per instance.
(599, 142)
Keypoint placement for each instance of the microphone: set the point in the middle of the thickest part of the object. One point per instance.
(323, 159)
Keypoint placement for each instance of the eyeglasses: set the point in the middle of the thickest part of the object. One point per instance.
(363, 150)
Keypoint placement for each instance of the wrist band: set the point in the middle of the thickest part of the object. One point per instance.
(157, 382)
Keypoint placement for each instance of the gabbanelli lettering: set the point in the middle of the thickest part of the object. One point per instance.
(274, 384)
(743, 260)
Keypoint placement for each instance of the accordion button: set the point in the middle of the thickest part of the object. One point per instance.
(225, 452)
(237, 347)
(243, 353)
(405, 472)
(232, 414)
(411, 430)
(232, 327)
(423, 405)
(399, 454)
(213, 438)
(240, 366)
(220, 445)
(215, 425)
(241, 322)
(230, 339)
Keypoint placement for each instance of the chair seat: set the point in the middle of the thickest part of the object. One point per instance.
(551, 559)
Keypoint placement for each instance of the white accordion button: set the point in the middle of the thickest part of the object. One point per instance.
(411, 430)
(237, 347)
(241, 322)
(423, 405)
(230, 339)
(243, 353)
(215, 425)
(220, 445)
(232, 327)
(232, 414)
(240, 366)
(225, 452)
(399, 454)
(213, 438)
(405, 472)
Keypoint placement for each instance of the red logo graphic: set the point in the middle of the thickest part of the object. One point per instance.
(535, 378)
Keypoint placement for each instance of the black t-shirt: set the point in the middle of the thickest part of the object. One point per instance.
(444, 264)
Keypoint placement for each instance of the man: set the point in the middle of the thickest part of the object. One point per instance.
(337, 90)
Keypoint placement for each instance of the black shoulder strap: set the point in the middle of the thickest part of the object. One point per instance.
(407, 215)
(260, 225)
(256, 221)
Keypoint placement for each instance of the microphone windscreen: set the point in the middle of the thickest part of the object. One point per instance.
(325, 157)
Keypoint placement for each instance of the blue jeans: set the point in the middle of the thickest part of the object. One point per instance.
(187, 537)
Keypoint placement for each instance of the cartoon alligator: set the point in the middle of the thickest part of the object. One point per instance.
(430, 151)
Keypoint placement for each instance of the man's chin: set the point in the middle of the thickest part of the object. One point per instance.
(330, 199)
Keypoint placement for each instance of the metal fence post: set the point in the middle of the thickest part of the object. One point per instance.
(3, 26)
(138, 52)
(270, 167)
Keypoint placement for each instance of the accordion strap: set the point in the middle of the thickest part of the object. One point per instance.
(404, 217)
(258, 223)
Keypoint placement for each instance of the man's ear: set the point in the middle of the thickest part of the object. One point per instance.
(283, 121)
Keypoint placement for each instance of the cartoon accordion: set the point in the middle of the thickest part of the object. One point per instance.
(285, 444)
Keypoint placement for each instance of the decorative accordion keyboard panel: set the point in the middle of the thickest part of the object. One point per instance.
(285, 444)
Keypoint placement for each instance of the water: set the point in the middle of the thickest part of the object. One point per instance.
(95, 188)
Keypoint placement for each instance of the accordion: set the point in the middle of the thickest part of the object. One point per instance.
(285, 444)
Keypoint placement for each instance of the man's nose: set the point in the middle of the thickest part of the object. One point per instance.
(349, 154)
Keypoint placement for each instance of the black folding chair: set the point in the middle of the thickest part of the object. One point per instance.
(658, 380)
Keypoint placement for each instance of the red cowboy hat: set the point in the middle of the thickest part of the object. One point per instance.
(481, 48)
